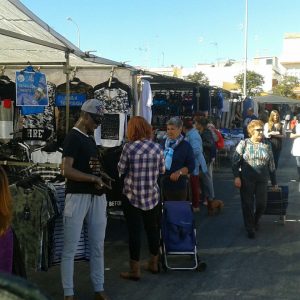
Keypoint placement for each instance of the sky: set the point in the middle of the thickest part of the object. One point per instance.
(158, 33)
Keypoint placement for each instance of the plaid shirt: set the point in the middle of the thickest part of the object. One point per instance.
(141, 162)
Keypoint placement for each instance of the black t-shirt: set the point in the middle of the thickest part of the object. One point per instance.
(82, 149)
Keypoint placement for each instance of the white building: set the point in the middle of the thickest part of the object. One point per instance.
(290, 57)
(222, 74)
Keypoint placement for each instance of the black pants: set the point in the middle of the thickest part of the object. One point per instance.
(253, 194)
(276, 155)
(136, 218)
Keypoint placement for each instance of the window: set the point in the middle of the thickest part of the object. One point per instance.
(269, 61)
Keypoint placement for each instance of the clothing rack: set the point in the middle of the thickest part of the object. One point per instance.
(29, 164)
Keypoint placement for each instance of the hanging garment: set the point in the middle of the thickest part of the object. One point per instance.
(111, 131)
(40, 156)
(79, 93)
(116, 97)
(82, 250)
(146, 101)
(7, 98)
(32, 210)
(204, 102)
(38, 123)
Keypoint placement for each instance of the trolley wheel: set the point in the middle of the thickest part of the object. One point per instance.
(282, 219)
(201, 265)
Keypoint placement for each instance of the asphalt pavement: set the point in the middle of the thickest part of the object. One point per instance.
(267, 267)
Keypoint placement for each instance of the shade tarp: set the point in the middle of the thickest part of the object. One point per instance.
(276, 99)
(26, 38)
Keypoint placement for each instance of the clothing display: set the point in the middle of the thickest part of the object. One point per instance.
(116, 97)
(82, 251)
(38, 123)
(41, 156)
(7, 98)
(32, 210)
(170, 103)
(115, 94)
(79, 93)
(111, 131)
(145, 101)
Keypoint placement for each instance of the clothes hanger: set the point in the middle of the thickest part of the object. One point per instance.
(3, 77)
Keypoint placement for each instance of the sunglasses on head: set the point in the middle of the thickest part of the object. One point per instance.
(96, 118)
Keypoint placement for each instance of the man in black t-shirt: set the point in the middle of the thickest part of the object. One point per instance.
(85, 199)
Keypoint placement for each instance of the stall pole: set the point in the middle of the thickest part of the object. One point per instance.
(67, 72)
(135, 104)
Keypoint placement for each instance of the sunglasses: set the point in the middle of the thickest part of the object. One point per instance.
(96, 118)
(258, 129)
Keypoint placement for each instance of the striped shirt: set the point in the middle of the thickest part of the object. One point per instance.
(255, 160)
(141, 162)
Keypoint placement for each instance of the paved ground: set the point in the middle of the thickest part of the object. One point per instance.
(237, 268)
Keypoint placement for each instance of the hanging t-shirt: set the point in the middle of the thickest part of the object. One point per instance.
(79, 93)
(7, 98)
(39, 125)
(46, 173)
(116, 98)
(6, 120)
(204, 99)
(146, 101)
(32, 210)
(112, 130)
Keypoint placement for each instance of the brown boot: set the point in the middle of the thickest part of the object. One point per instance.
(134, 273)
(152, 265)
(101, 296)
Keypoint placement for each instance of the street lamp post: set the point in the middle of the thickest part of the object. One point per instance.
(78, 31)
(246, 49)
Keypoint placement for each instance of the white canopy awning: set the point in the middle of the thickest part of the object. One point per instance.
(26, 38)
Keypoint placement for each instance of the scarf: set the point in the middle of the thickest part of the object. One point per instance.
(170, 145)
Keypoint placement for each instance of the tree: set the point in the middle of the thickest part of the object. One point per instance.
(254, 82)
(286, 86)
(199, 77)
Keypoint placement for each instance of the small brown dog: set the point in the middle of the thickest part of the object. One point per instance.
(214, 207)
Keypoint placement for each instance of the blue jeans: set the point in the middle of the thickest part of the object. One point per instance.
(79, 207)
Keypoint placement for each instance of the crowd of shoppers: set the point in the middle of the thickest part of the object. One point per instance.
(186, 156)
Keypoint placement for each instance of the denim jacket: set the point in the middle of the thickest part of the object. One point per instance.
(194, 138)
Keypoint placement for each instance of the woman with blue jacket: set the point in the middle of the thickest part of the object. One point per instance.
(193, 137)
(179, 161)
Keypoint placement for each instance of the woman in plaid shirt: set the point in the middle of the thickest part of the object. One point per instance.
(140, 163)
